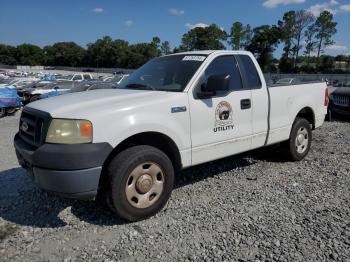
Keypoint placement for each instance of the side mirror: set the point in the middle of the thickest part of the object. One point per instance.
(56, 87)
(215, 83)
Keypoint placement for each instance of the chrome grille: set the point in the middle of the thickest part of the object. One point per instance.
(341, 100)
(31, 128)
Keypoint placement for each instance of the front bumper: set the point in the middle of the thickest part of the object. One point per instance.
(70, 170)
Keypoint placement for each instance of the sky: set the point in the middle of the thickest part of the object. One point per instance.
(83, 21)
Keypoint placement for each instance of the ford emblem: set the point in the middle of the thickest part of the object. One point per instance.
(24, 126)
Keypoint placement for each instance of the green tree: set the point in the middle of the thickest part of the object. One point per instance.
(7, 55)
(165, 48)
(264, 42)
(287, 32)
(303, 19)
(64, 54)
(27, 54)
(107, 52)
(239, 36)
(140, 53)
(325, 28)
(310, 43)
(157, 45)
(208, 38)
(285, 65)
(326, 64)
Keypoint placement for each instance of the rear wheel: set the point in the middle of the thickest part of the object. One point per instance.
(141, 179)
(2, 112)
(299, 143)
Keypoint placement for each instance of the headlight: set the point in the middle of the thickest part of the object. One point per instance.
(66, 131)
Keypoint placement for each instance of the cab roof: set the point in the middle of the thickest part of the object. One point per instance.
(209, 52)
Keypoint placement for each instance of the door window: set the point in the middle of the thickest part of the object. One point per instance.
(225, 65)
(249, 72)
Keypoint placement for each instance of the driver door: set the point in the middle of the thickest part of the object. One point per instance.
(221, 125)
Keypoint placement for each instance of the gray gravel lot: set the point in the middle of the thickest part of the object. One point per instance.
(252, 207)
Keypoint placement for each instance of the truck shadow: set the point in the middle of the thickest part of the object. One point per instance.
(24, 204)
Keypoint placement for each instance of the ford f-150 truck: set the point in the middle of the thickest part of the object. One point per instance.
(174, 112)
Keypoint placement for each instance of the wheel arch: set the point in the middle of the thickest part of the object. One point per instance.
(155, 139)
(308, 114)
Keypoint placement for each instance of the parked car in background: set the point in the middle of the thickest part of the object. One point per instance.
(9, 101)
(19, 82)
(75, 77)
(116, 78)
(288, 81)
(83, 86)
(340, 100)
(103, 83)
(33, 91)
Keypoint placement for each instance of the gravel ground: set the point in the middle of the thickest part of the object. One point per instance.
(252, 207)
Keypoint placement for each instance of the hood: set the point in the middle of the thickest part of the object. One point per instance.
(342, 91)
(85, 104)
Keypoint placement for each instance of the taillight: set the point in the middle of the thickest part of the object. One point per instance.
(326, 98)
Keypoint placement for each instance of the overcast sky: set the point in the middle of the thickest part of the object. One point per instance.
(83, 21)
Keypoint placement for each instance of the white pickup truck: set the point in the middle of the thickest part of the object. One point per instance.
(174, 112)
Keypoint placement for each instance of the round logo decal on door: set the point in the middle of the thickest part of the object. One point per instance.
(223, 117)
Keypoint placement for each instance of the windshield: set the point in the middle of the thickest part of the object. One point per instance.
(168, 73)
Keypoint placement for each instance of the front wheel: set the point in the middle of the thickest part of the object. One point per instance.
(141, 179)
(299, 143)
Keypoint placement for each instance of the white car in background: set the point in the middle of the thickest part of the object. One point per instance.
(20, 82)
(288, 81)
(76, 77)
(116, 78)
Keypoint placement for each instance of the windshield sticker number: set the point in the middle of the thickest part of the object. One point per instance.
(193, 58)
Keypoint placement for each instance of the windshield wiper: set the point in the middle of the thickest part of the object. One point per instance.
(139, 86)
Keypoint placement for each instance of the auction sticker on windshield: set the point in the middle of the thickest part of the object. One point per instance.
(193, 58)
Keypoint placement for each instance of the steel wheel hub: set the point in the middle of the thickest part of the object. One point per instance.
(302, 140)
(144, 185)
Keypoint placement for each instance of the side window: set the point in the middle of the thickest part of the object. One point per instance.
(87, 77)
(250, 75)
(225, 65)
(77, 77)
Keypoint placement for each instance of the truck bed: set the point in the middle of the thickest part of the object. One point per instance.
(286, 101)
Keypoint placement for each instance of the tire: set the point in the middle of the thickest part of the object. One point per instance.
(299, 143)
(11, 110)
(2, 112)
(34, 98)
(141, 180)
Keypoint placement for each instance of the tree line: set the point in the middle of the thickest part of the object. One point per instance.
(303, 36)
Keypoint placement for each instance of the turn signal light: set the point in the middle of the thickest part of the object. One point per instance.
(86, 129)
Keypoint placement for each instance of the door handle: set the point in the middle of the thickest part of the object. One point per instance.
(246, 104)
